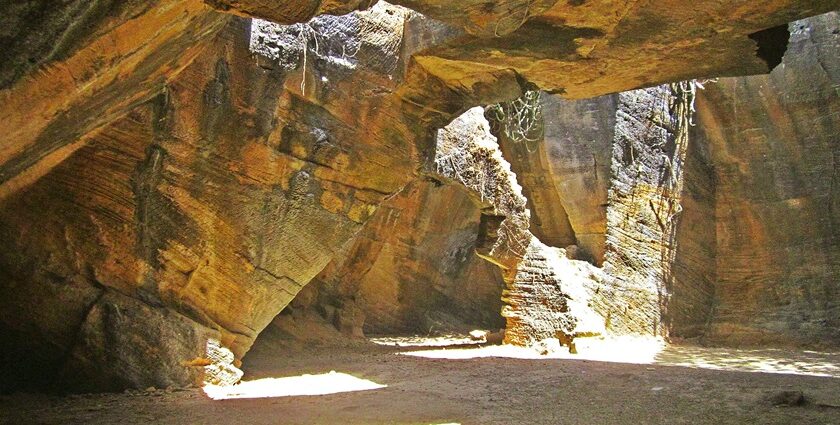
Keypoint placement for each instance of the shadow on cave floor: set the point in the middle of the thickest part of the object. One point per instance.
(481, 385)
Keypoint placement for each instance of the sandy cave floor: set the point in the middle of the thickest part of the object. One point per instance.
(414, 382)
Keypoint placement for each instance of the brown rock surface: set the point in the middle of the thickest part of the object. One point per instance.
(775, 150)
(580, 50)
(585, 49)
(221, 198)
(193, 179)
(600, 47)
(174, 206)
(86, 71)
(412, 269)
(655, 275)
(738, 245)
(566, 174)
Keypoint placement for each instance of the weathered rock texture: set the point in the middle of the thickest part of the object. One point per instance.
(649, 152)
(102, 58)
(647, 286)
(217, 201)
(172, 177)
(214, 203)
(290, 12)
(413, 269)
(724, 232)
(585, 49)
(775, 149)
(551, 296)
(68, 69)
(565, 174)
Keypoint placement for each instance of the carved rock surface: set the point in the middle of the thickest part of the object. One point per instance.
(72, 68)
(775, 151)
(172, 177)
(220, 198)
(591, 48)
(218, 201)
(412, 269)
(566, 173)
(729, 237)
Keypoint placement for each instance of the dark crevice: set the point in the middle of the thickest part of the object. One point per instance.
(772, 44)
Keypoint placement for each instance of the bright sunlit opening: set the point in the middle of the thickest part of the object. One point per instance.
(327, 383)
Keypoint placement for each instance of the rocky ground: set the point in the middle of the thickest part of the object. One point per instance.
(470, 384)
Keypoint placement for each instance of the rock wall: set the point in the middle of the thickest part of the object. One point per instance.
(212, 205)
(172, 177)
(566, 173)
(69, 69)
(649, 153)
(728, 237)
(629, 210)
(412, 270)
(208, 208)
(775, 150)
(73, 67)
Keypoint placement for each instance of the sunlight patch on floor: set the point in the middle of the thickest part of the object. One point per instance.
(327, 383)
(761, 360)
(634, 350)
(637, 350)
(424, 341)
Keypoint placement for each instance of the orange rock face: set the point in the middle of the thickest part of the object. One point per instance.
(123, 62)
(171, 178)
(214, 203)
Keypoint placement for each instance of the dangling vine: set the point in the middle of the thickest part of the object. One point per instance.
(520, 120)
(336, 40)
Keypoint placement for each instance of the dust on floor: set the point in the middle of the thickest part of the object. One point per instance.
(441, 383)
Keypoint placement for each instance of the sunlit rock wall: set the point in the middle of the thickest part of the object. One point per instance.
(565, 173)
(644, 208)
(623, 172)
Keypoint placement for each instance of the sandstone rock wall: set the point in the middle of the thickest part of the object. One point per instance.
(565, 175)
(198, 170)
(412, 270)
(212, 206)
(629, 210)
(775, 149)
(736, 245)
(71, 68)
(644, 205)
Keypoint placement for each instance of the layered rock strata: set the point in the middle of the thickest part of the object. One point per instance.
(172, 177)
(775, 150)
(212, 205)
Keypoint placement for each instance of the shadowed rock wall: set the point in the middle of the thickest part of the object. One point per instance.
(775, 149)
(411, 270)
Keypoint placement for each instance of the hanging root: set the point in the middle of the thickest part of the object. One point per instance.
(520, 120)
